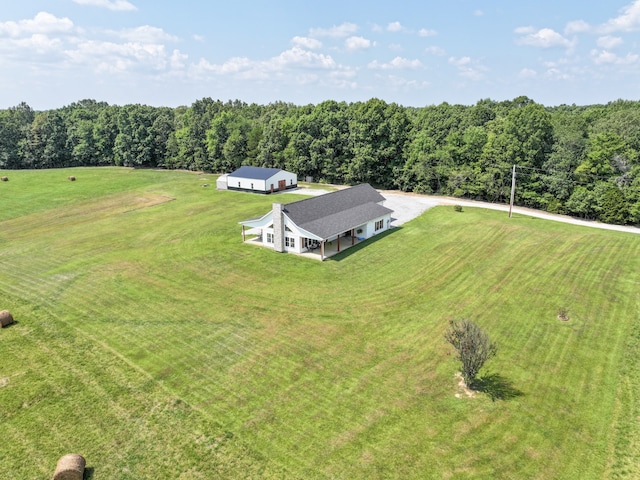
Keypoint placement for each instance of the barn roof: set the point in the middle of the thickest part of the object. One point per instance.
(257, 173)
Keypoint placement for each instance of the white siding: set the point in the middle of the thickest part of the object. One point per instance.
(246, 183)
(262, 185)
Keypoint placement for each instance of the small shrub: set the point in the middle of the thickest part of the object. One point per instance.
(473, 346)
(457, 208)
(563, 314)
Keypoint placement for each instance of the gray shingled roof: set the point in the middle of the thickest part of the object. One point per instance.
(257, 173)
(337, 212)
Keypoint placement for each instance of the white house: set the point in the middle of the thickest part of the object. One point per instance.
(261, 180)
(324, 224)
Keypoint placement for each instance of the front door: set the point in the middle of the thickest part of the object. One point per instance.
(282, 184)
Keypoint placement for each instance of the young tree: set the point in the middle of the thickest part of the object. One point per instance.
(473, 346)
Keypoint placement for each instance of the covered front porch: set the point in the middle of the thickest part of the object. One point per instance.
(329, 247)
(308, 247)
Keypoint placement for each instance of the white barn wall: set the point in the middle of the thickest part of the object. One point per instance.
(246, 183)
(263, 186)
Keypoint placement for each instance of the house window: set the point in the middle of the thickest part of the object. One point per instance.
(269, 237)
(290, 242)
(379, 225)
(252, 186)
(238, 184)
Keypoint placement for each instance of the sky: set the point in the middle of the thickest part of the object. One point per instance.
(414, 53)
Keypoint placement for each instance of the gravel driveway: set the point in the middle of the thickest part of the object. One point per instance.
(407, 206)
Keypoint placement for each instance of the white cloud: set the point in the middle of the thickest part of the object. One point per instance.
(245, 68)
(397, 63)
(178, 60)
(468, 68)
(628, 21)
(527, 73)
(545, 38)
(425, 32)
(557, 74)
(408, 84)
(478, 13)
(577, 26)
(146, 34)
(113, 57)
(115, 5)
(343, 30)
(303, 58)
(528, 30)
(460, 62)
(342, 79)
(231, 66)
(605, 57)
(434, 50)
(38, 43)
(357, 43)
(198, 38)
(609, 42)
(306, 42)
(395, 27)
(43, 23)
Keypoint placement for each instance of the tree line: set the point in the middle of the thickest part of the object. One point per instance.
(578, 160)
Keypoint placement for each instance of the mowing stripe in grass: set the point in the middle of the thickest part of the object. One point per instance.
(339, 369)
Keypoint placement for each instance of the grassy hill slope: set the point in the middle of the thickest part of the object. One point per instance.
(151, 340)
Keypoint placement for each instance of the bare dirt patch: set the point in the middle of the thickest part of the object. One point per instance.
(463, 390)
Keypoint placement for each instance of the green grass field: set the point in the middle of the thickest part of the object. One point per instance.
(157, 345)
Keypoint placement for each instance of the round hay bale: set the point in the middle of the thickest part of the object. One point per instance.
(5, 179)
(70, 467)
(5, 318)
(72, 178)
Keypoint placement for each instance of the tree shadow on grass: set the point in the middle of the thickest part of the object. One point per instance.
(496, 387)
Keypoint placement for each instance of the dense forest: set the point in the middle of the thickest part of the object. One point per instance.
(578, 160)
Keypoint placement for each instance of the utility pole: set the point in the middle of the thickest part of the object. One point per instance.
(513, 189)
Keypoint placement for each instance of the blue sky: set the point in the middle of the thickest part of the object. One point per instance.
(415, 53)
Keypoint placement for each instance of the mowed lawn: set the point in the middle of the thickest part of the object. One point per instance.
(156, 344)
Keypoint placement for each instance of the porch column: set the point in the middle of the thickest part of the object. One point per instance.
(353, 238)
(338, 242)
(322, 250)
